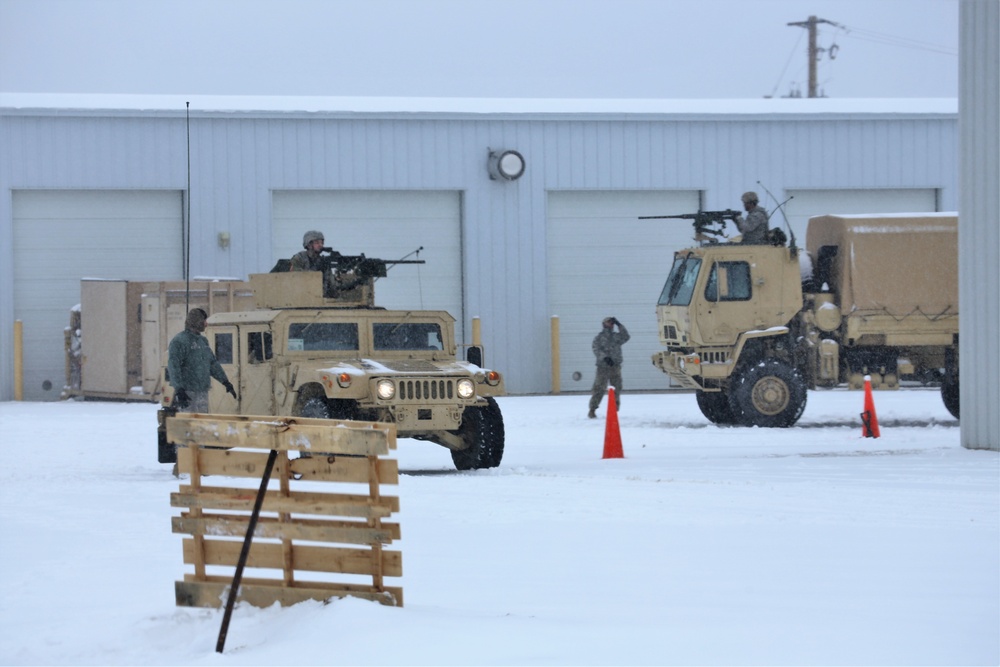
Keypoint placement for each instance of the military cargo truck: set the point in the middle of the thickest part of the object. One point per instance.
(751, 327)
(313, 354)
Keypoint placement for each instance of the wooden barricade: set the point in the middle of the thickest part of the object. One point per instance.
(344, 533)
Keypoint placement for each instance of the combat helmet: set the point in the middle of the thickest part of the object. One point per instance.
(310, 236)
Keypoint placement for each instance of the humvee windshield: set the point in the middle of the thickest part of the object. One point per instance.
(407, 336)
(322, 336)
(680, 283)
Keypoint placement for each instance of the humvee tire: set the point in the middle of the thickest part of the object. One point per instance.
(769, 394)
(482, 429)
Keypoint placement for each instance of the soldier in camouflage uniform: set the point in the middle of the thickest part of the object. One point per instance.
(191, 365)
(754, 228)
(607, 348)
(310, 260)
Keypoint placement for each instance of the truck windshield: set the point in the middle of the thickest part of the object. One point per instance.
(407, 336)
(680, 283)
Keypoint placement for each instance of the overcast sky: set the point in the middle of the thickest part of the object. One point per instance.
(478, 48)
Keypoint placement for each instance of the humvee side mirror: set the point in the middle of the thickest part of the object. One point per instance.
(475, 355)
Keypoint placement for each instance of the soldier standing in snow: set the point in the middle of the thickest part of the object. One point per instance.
(607, 348)
(754, 228)
(191, 365)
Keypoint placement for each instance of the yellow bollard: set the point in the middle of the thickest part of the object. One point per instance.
(18, 360)
(556, 388)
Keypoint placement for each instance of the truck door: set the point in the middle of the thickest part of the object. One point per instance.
(257, 362)
(225, 343)
(726, 306)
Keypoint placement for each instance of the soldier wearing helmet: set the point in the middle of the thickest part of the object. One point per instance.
(754, 227)
(607, 347)
(310, 259)
(191, 365)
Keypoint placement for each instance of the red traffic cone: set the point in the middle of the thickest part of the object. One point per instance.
(869, 420)
(612, 435)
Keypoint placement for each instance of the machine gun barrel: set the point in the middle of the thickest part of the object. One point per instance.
(703, 231)
(706, 216)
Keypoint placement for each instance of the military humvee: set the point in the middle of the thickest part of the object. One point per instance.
(314, 354)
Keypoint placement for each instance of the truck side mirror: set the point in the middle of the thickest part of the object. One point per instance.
(475, 355)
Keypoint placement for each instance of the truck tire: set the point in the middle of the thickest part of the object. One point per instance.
(949, 394)
(715, 407)
(482, 430)
(769, 394)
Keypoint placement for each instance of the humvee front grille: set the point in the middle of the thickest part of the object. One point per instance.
(426, 390)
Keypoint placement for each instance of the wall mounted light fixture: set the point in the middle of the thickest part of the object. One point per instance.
(223, 240)
(505, 164)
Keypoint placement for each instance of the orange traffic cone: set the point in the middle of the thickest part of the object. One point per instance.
(612, 435)
(869, 419)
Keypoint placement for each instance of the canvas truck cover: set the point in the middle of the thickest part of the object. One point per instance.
(891, 263)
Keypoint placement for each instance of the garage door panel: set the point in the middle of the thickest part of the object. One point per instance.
(62, 236)
(388, 225)
(604, 261)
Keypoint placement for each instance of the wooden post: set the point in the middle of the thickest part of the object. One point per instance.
(556, 369)
(18, 360)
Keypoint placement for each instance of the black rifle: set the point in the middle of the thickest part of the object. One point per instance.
(704, 231)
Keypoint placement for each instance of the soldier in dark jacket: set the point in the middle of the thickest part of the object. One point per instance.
(754, 228)
(607, 348)
(191, 365)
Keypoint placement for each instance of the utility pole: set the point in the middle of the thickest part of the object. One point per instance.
(813, 53)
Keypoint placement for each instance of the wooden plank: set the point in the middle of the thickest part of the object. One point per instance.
(283, 434)
(297, 502)
(241, 463)
(265, 592)
(307, 558)
(347, 532)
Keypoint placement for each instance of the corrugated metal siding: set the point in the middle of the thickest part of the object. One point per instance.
(979, 229)
(238, 159)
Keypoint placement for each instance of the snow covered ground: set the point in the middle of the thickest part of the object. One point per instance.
(704, 545)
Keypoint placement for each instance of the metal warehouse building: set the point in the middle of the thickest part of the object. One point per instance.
(98, 187)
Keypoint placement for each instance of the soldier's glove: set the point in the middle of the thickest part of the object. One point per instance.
(229, 388)
(609, 361)
(614, 320)
(181, 399)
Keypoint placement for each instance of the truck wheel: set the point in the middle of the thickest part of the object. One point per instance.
(482, 431)
(949, 394)
(769, 394)
(715, 407)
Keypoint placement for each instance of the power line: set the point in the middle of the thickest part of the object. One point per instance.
(895, 40)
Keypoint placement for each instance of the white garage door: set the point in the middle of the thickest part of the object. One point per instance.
(807, 203)
(61, 236)
(604, 261)
(387, 225)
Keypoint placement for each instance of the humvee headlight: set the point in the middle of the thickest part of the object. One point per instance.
(466, 389)
(493, 378)
(385, 389)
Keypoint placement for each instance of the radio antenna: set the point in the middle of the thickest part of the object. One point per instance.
(186, 227)
(781, 207)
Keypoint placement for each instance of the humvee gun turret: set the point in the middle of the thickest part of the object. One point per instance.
(301, 353)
